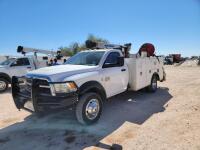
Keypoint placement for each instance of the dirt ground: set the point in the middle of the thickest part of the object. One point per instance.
(168, 119)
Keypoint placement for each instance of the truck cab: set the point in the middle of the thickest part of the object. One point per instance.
(20, 66)
(14, 66)
(84, 82)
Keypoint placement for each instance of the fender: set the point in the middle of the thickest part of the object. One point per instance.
(93, 86)
(5, 76)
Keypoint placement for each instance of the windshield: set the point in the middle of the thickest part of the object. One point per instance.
(86, 58)
(7, 62)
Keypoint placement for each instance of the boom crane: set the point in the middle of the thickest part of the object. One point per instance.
(24, 50)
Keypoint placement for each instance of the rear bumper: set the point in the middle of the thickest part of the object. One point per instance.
(36, 99)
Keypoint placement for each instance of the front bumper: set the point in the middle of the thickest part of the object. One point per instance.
(34, 95)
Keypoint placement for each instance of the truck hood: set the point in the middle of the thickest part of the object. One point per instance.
(2, 66)
(59, 72)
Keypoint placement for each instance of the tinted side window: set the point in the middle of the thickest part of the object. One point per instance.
(26, 62)
(22, 62)
(112, 58)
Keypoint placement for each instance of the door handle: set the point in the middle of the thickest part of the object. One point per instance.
(28, 67)
(123, 69)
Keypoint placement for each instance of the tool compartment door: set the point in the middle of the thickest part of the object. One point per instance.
(141, 73)
(137, 73)
(150, 69)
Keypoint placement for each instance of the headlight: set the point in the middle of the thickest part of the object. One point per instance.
(66, 87)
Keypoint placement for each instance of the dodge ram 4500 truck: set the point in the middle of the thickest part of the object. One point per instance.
(86, 80)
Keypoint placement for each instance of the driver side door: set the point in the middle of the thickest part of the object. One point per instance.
(20, 67)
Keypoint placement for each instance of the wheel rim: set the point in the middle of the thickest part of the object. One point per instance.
(154, 83)
(92, 109)
(2, 85)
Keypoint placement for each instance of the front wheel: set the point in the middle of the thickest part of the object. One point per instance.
(3, 85)
(89, 108)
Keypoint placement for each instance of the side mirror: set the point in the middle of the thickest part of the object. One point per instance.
(120, 61)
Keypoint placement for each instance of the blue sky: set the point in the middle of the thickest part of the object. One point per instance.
(173, 26)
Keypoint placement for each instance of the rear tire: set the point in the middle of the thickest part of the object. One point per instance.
(3, 85)
(89, 108)
(153, 86)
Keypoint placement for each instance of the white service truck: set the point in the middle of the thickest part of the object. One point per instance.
(86, 80)
(19, 66)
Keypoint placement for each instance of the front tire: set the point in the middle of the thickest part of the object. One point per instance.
(89, 108)
(3, 85)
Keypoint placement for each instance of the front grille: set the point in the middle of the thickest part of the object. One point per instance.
(41, 82)
(42, 86)
(29, 81)
(28, 84)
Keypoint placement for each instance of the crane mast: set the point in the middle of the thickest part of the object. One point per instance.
(24, 50)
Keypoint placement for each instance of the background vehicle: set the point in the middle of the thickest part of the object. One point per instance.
(19, 66)
(86, 81)
(173, 58)
(168, 60)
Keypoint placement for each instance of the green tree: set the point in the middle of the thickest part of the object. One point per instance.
(75, 47)
(65, 51)
(96, 39)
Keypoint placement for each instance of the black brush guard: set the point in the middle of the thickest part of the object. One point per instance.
(29, 91)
